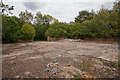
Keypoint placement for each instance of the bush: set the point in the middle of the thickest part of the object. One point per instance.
(10, 29)
(27, 32)
(75, 31)
(40, 31)
(57, 30)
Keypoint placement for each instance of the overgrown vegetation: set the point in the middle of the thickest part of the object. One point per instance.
(102, 24)
(27, 32)
(10, 29)
(75, 75)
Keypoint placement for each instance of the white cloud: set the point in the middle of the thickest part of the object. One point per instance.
(63, 11)
(59, 0)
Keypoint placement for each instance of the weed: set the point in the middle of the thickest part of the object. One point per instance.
(118, 64)
(75, 75)
(85, 65)
(83, 69)
(53, 61)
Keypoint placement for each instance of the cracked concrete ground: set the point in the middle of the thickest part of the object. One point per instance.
(60, 59)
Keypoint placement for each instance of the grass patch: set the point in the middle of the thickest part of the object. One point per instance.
(118, 64)
(53, 62)
(83, 69)
(75, 75)
(85, 65)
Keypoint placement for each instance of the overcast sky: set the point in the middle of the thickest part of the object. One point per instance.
(63, 10)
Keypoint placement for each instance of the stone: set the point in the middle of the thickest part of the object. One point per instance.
(47, 70)
(27, 73)
(13, 57)
(68, 65)
(17, 76)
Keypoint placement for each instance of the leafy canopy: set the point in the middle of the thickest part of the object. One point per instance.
(27, 32)
(10, 29)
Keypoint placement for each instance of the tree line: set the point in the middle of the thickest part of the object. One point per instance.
(102, 24)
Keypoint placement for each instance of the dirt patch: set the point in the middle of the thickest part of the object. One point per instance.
(60, 59)
(103, 39)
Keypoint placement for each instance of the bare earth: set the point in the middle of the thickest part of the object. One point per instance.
(60, 59)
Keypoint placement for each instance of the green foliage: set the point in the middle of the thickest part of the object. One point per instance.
(113, 23)
(116, 5)
(83, 16)
(99, 26)
(83, 69)
(26, 16)
(118, 64)
(20, 22)
(27, 32)
(38, 19)
(105, 27)
(6, 9)
(40, 32)
(87, 29)
(10, 29)
(57, 30)
(44, 19)
(47, 19)
(75, 31)
(75, 75)
(42, 23)
(53, 62)
(105, 23)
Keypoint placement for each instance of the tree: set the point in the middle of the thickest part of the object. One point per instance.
(27, 32)
(10, 29)
(100, 24)
(42, 23)
(75, 31)
(116, 9)
(113, 23)
(47, 19)
(44, 19)
(116, 5)
(83, 16)
(87, 29)
(57, 30)
(26, 17)
(40, 31)
(20, 22)
(6, 9)
(38, 18)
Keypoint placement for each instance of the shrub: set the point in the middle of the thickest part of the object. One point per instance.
(27, 32)
(75, 31)
(40, 31)
(75, 75)
(57, 30)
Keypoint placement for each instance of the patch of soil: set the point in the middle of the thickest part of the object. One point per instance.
(60, 59)
(102, 39)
